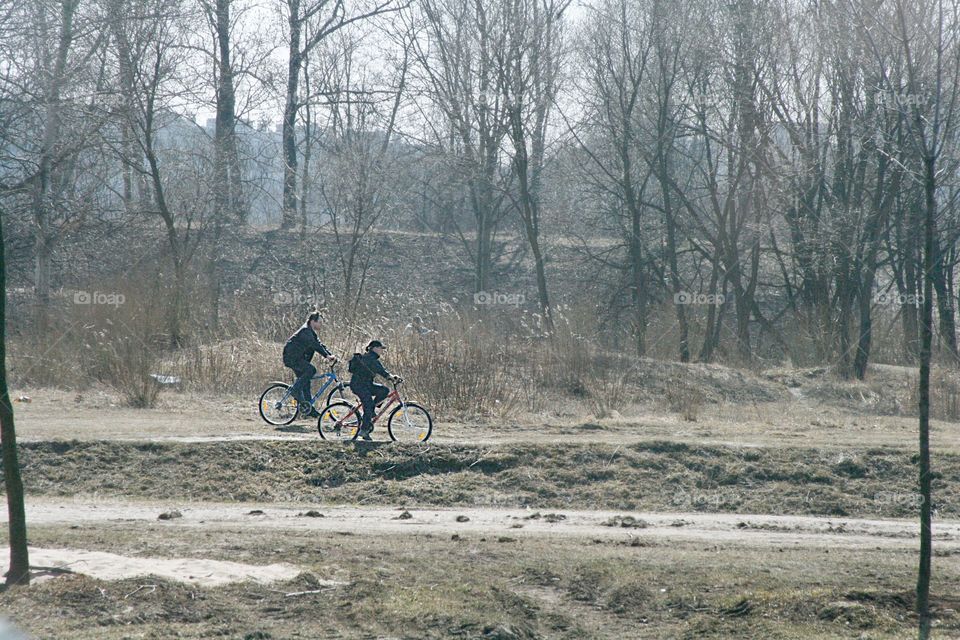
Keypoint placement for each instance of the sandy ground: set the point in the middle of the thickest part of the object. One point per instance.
(53, 415)
(743, 529)
(199, 571)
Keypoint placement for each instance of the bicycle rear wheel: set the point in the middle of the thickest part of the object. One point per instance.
(337, 423)
(277, 406)
(410, 422)
(338, 393)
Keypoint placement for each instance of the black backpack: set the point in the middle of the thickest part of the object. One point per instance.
(355, 364)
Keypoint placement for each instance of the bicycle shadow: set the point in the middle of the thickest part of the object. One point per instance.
(295, 428)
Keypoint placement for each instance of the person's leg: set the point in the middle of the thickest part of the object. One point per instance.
(295, 387)
(380, 392)
(365, 393)
(301, 388)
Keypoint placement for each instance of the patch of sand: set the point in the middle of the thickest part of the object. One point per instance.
(110, 566)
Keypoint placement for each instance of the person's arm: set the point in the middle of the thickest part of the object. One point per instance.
(315, 343)
(322, 349)
(379, 369)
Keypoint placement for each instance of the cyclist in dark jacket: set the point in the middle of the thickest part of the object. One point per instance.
(362, 383)
(297, 354)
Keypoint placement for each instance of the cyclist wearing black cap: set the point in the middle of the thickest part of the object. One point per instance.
(365, 367)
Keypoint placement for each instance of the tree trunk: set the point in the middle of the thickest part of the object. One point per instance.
(289, 133)
(43, 247)
(908, 283)
(709, 336)
(945, 305)
(530, 210)
(638, 281)
(19, 572)
(542, 293)
(675, 284)
(483, 206)
(42, 191)
(864, 341)
(845, 362)
(926, 549)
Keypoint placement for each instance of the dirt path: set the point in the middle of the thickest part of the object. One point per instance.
(771, 426)
(747, 530)
(52, 415)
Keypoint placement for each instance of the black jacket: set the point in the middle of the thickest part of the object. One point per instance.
(302, 345)
(370, 367)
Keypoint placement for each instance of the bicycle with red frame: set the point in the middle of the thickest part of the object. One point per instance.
(407, 422)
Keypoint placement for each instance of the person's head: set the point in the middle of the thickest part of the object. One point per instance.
(313, 320)
(377, 347)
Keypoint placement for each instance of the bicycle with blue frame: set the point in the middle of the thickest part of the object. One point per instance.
(279, 406)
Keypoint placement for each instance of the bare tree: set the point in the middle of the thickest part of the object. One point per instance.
(19, 571)
(359, 176)
(150, 39)
(464, 113)
(51, 67)
(308, 23)
(927, 90)
(530, 68)
(234, 56)
(616, 60)
(228, 170)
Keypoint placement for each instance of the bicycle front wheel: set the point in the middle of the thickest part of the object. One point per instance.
(277, 406)
(410, 423)
(339, 421)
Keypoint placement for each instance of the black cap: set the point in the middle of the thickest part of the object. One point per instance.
(374, 344)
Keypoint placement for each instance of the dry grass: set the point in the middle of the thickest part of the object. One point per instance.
(493, 362)
(642, 476)
(426, 586)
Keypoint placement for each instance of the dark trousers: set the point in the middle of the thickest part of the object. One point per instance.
(370, 396)
(301, 388)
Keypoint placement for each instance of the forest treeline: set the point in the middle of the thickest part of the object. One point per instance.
(748, 168)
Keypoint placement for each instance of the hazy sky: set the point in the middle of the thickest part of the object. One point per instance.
(262, 27)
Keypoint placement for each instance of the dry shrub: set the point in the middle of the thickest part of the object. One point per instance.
(130, 366)
(463, 368)
(685, 400)
(122, 347)
(944, 395)
(238, 365)
(474, 362)
(490, 361)
(608, 395)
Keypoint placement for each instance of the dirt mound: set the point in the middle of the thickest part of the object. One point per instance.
(887, 389)
(648, 476)
(700, 382)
